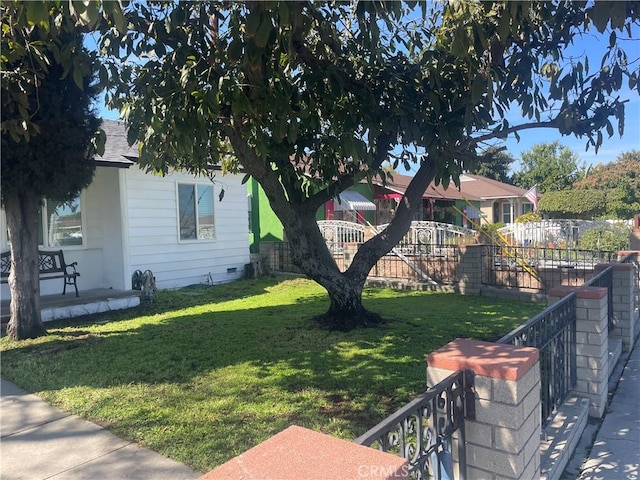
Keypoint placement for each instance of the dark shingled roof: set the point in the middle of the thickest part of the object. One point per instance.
(117, 152)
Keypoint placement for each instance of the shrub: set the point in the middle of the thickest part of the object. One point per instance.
(606, 238)
(529, 217)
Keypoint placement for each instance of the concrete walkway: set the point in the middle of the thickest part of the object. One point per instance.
(39, 441)
(616, 452)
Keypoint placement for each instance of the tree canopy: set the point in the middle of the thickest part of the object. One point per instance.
(609, 191)
(493, 162)
(550, 166)
(626, 166)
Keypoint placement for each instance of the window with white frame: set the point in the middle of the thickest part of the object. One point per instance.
(506, 212)
(60, 223)
(527, 207)
(195, 210)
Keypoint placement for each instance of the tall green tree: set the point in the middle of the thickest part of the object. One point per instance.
(49, 131)
(494, 163)
(314, 97)
(610, 191)
(550, 166)
(626, 167)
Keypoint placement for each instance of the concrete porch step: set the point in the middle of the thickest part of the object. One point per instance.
(61, 307)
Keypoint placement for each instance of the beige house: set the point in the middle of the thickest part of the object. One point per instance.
(499, 202)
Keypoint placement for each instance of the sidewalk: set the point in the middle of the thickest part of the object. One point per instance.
(39, 441)
(616, 452)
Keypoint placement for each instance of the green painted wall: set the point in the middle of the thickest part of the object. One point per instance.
(265, 225)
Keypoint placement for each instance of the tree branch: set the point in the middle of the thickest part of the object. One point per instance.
(517, 128)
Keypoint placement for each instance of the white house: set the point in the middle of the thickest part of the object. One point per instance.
(177, 226)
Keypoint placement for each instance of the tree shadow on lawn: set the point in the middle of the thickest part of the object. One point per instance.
(248, 373)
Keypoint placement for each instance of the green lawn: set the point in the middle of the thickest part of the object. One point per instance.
(204, 374)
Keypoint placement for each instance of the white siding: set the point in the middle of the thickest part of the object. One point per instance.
(100, 258)
(153, 231)
(143, 233)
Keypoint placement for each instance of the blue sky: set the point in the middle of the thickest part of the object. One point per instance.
(593, 46)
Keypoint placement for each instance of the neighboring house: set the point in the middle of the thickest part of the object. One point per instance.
(499, 202)
(478, 201)
(352, 205)
(129, 220)
(438, 204)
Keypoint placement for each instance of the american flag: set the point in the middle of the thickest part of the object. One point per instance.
(532, 196)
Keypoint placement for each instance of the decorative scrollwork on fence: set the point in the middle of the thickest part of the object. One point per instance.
(427, 431)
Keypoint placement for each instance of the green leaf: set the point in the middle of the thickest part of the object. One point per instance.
(262, 35)
(234, 51)
(477, 89)
(38, 14)
(77, 77)
(600, 15)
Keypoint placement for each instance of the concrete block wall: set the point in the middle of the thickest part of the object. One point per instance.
(592, 345)
(624, 315)
(470, 269)
(503, 442)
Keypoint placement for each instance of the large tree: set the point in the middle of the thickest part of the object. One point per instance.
(48, 138)
(314, 97)
(626, 167)
(610, 191)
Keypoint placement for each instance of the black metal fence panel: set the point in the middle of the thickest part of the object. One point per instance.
(429, 431)
(553, 332)
(539, 268)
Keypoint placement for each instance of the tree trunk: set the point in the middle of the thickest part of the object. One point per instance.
(22, 223)
(309, 251)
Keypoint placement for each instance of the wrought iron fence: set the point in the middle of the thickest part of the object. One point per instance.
(338, 232)
(539, 268)
(604, 280)
(566, 232)
(419, 262)
(422, 233)
(429, 431)
(553, 332)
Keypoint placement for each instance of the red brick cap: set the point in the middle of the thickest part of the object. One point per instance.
(494, 360)
(298, 453)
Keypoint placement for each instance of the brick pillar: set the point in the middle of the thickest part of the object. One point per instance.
(470, 269)
(592, 344)
(503, 442)
(623, 301)
(298, 453)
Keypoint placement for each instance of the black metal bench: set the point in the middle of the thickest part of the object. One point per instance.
(51, 265)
